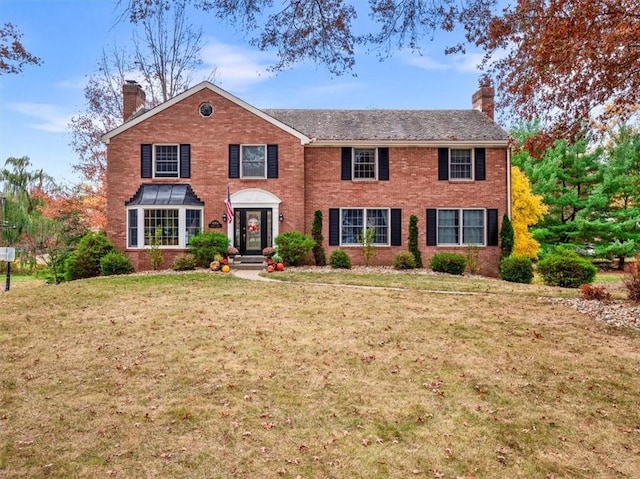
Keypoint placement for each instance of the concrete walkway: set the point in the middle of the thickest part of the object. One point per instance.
(251, 274)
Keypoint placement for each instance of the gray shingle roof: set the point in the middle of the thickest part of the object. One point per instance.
(392, 125)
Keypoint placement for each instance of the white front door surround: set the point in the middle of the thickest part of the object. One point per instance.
(255, 198)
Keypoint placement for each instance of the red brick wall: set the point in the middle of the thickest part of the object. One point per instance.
(209, 139)
(413, 186)
(309, 179)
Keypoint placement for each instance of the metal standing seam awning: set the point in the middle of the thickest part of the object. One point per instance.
(165, 194)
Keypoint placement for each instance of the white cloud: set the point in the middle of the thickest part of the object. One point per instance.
(237, 68)
(48, 117)
(461, 63)
(424, 62)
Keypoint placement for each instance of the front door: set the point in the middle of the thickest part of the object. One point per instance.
(252, 230)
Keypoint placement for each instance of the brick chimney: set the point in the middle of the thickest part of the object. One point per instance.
(483, 99)
(133, 98)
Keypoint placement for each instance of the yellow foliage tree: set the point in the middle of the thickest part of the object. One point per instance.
(526, 210)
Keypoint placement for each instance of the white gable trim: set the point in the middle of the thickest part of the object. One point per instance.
(200, 86)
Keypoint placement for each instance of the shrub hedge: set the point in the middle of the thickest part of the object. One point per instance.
(516, 269)
(340, 260)
(451, 263)
(566, 269)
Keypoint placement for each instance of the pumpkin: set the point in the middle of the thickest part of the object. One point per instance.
(225, 268)
(270, 269)
(214, 266)
(280, 267)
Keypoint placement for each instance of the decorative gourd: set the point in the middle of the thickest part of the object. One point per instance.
(270, 268)
(214, 266)
(225, 268)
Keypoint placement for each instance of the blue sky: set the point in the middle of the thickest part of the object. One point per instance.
(37, 105)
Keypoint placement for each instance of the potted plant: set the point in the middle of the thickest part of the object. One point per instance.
(268, 252)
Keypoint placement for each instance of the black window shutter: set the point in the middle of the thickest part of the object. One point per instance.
(334, 226)
(346, 163)
(272, 161)
(146, 161)
(383, 164)
(481, 170)
(396, 227)
(492, 227)
(185, 161)
(443, 164)
(432, 227)
(234, 161)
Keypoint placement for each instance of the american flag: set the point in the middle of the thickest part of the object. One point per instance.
(229, 207)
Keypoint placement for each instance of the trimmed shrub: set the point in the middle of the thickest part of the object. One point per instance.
(566, 269)
(206, 246)
(404, 260)
(507, 237)
(316, 231)
(294, 247)
(115, 262)
(340, 260)
(451, 263)
(594, 293)
(516, 269)
(413, 240)
(84, 262)
(184, 262)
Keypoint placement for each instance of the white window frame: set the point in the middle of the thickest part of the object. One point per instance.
(375, 164)
(242, 175)
(461, 226)
(171, 174)
(364, 226)
(472, 172)
(183, 232)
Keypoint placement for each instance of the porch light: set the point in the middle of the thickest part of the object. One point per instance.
(281, 217)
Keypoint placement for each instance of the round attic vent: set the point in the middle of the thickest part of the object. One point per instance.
(206, 109)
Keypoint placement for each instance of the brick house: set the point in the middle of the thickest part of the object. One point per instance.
(171, 169)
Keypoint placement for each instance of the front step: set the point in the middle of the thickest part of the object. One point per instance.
(249, 262)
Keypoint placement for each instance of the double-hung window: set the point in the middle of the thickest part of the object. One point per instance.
(167, 161)
(461, 227)
(365, 165)
(460, 164)
(253, 161)
(356, 222)
(168, 227)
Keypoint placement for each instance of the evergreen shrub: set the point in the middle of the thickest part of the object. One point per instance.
(516, 269)
(340, 260)
(206, 246)
(184, 262)
(294, 247)
(565, 268)
(84, 262)
(115, 262)
(404, 260)
(451, 263)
